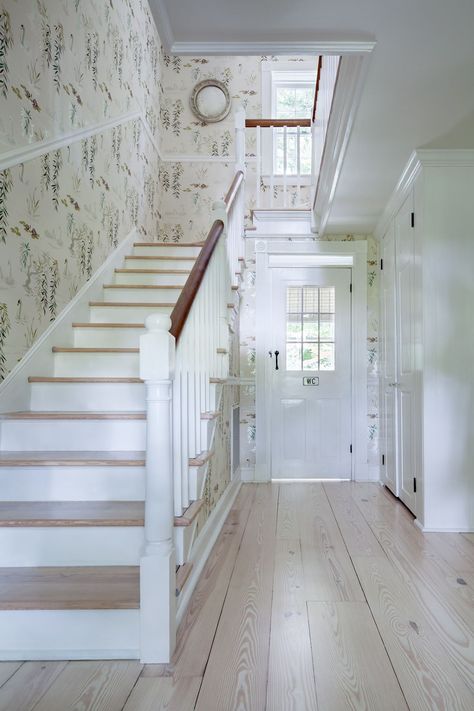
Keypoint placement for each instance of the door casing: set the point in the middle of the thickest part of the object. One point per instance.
(281, 252)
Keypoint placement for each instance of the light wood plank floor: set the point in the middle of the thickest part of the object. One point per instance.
(316, 597)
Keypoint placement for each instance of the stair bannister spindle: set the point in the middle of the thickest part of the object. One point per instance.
(157, 563)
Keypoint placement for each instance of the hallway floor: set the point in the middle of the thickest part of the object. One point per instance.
(316, 596)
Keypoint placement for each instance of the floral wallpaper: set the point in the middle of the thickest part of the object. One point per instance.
(248, 431)
(66, 66)
(198, 184)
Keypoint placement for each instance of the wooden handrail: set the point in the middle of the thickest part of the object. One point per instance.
(234, 189)
(316, 91)
(277, 123)
(185, 300)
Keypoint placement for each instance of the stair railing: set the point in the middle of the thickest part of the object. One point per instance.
(182, 361)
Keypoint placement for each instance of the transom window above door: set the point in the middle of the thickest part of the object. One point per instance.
(310, 332)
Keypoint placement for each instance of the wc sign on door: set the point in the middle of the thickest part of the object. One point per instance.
(310, 380)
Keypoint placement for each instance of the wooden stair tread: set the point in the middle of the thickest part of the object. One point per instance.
(189, 515)
(108, 325)
(71, 588)
(200, 459)
(63, 349)
(168, 244)
(209, 415)
(134, 304)
(58, 415)
(142, 286)
(47, 514)
(53, 379)
(72, 459)
(152, 271)
(182, 574)
(164, 258)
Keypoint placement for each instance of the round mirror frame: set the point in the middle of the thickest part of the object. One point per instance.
(194, 96)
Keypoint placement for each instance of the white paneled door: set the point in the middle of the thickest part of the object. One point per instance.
(309, 373)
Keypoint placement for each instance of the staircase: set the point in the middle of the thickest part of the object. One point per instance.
(72, 508)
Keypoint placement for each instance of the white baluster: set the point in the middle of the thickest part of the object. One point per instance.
(157, 563)
(285, 166)
(298, 165)
(272, 167)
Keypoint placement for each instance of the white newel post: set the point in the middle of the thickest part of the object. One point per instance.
(157, 564)
(239, 118)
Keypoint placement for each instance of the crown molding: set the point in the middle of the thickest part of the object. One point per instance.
(271, 48)
(347, 94)
(162, 21)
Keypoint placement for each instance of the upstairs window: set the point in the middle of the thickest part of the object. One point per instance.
(292, 98)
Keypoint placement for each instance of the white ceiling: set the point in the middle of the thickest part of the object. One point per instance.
(419, 90)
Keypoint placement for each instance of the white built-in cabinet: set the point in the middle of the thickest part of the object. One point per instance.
(427, 340)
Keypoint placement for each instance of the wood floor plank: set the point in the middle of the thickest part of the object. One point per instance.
(7, 669)
(288, 520)
(25, 688)
(427, 677)
(290, 669)
(328, 572)
(236, 675)
(454, 548)
(351, 666)
(91, 686)
(197, 630)
(164, 694)
(356, 532)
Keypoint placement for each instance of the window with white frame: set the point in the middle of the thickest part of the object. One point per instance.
(288, 93)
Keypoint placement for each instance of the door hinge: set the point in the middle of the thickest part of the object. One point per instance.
(350, 448)
(412, 218)
(414, 484)
(381, 264)
(383, 460)
(350, 288)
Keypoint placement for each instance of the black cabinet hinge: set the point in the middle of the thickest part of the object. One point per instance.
(350, 288)
(350, 448)
(412, 218)
(383, 460)
(381, 264)
(414, 484)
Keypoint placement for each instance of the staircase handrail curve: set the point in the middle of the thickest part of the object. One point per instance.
(316, 90)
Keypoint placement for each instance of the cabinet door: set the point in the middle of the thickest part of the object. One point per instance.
(388, 365)
(406, 381)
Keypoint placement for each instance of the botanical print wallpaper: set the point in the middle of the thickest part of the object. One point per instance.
(248, 430)
(190, 186)
(66, 66)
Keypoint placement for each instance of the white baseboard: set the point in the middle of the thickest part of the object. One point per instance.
(247, 473)
(205, 543)
(15, 391)
(441, 529)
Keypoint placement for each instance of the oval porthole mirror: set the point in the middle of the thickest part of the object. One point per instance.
(210, 101)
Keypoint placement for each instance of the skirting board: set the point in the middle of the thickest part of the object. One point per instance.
(247, 473)
(426, 529)
(205, 543)
(15, 391)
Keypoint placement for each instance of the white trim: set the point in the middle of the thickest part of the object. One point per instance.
(162, 21)
(205, 543)
(15, 390)
(259, 215)
(438, 529)
(425, 158)
(247, 474)
(358, 252)
(350, 80)
(22, 154)
(272, 48)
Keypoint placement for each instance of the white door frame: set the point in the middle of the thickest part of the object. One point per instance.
(291, 248)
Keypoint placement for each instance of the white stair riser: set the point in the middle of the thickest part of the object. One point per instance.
(125, 314)
(107, 337)
(70, 545)
(183, 538)
(155, 279)
(169, 296)
(69, 634)
(72, 483)
(168, 263)
(72, 435)
(86, 397)
(169, 251)
(80, 365)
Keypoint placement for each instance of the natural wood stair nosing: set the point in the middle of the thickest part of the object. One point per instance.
(70, 588)
(182, 574)
(200, 459)
(66, 458)
(134, 304)
(152, 271)
(189, 515)
(178, 257)
(209, 415)
(58, 415)
(63, 349)
(142, 286)
(64, 379)
(222, 351)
